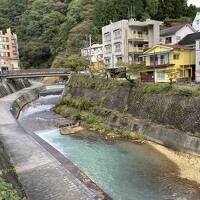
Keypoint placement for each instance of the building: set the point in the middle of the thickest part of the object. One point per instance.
(161, 59)
(196, 22)
(125, 40)
(95, 53)
(192, 40)
(197, 73)
(114, 37)
(174, 34)
(141, 36)
(9, 56)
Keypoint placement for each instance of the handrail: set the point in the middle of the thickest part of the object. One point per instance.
(36, 71)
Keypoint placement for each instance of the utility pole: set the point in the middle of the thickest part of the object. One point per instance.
(90, 49)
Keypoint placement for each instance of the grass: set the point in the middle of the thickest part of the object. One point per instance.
(95, 122)
(171, 90)
(10, 188)
(7, 192)
(97, 83)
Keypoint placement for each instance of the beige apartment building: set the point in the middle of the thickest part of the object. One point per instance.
(126, 40)
(9, 55)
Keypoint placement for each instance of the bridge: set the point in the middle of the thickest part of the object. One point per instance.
(33, 73)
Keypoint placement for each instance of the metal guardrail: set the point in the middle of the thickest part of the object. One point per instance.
(35, 72)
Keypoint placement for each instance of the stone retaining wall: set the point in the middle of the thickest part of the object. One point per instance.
(163, 117)
(9, 86)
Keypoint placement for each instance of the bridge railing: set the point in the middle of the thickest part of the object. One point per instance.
(36, 71)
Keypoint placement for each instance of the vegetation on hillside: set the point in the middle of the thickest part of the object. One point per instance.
(52, 30)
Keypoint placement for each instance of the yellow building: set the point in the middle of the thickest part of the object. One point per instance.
(160, 60)
(9, 56)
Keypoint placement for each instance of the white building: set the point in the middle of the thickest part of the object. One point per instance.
(114, 37)
(126, 40)
(197, 74)
(196, 22)
(193, 41)
(95, 52)
(174, 34)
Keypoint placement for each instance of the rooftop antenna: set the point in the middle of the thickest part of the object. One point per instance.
(131, 12)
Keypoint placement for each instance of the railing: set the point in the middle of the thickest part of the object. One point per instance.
(35, 72)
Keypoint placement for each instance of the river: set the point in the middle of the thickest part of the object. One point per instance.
(124, 170)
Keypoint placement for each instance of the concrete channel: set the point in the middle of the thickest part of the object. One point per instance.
(42, 176)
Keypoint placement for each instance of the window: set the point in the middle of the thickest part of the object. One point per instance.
(117, 33)
(108, 48)
(160, 75)
(176, 56)
(3, 46)
(198, 22)
(153, 60)
(107, 36)
(3, 39)
(119, 59)
(118, 47)
(168, 40)
(107, 61)
(4, 54)
(140, 34)
(140, 46)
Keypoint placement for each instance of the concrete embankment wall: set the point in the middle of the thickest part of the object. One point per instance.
(163, 117)
(9, 86)
(23, 100)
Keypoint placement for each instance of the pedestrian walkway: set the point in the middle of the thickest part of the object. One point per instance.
(41, 175)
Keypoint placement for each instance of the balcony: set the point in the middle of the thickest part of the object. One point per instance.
(133, 49)
(138, 37)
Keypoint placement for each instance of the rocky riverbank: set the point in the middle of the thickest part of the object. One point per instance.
(189, 165)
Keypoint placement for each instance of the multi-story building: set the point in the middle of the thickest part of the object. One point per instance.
(196, 22)
(161, 59)
(9, 56)
(114, 37)
(125, 40)
(174, 34)
(141, 36)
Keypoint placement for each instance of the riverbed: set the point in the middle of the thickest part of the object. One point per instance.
(124, 170)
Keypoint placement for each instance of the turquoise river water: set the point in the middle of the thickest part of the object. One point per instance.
(124, 170)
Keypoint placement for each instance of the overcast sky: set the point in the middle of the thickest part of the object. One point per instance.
(195, 2)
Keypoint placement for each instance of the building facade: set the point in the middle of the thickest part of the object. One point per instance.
(9, 55)
(174, 34)
(126, 40)
(196, 22)
(141, 36)
(95, 53)
(114, 38)
(193, 41)
(161, 59)
(197, 74)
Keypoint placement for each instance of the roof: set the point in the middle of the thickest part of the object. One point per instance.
(190, 39)
(172, 30)
(178, 46)
(169, 47)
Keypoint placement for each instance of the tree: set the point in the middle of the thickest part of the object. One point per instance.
(74, 62)
(172, 74)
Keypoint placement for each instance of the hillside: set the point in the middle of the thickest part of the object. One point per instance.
(47, 29)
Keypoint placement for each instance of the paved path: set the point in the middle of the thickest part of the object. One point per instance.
(41, 175)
